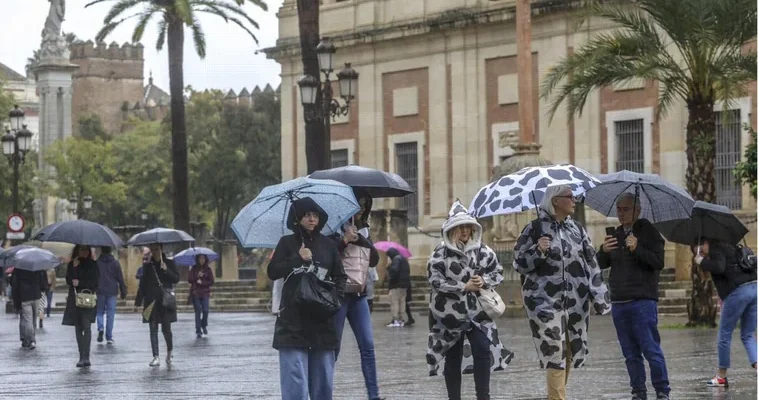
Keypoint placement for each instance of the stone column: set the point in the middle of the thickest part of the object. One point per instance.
(683, 263)
(130, 259)
(229, 267)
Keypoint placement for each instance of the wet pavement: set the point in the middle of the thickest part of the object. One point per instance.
(236, 361)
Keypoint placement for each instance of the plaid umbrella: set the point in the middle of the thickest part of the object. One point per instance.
(659, 200)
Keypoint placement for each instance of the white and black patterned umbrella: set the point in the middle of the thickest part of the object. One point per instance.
(523, 190)
(659, 200)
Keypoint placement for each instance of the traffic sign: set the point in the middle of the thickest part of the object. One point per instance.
(15, 223)
(15, 235)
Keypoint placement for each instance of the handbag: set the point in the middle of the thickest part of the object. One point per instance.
(85, 299)
(314, 297)
(168, 296)
(491, 302)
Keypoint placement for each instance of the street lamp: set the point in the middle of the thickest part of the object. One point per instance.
(310, 86)
(16, 142)
(73, 205)
(87, 203)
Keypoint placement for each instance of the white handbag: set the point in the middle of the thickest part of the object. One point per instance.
(491, 302)
(276, 296)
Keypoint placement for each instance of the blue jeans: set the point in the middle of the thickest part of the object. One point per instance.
(740, 305)
(303, 373)
(637, 330)
(106, 305)
(356, 310)
(201, 312)
(49, 302)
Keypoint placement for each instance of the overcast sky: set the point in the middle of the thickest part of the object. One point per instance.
(230, 63)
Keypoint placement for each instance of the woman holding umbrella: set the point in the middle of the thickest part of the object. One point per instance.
(200, 278)
(82, 275)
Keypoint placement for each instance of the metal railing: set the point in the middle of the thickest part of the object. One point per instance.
(728, 151)
(407, 167)
(630, 145)
(339, 158)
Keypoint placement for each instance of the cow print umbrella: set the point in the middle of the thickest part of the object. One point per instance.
(523, 190)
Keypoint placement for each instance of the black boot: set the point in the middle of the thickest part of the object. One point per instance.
(79, 344)
(87, 342)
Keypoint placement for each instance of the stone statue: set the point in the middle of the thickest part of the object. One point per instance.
(53, 43)
(37, 207)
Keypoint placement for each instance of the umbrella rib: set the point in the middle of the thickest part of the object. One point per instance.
(677, 199)
(652, 207)
(260, 215)
(615, 199)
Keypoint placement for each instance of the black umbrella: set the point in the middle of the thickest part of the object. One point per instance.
(707, 220)
(376, 183)
(161, 236)
(79, 232)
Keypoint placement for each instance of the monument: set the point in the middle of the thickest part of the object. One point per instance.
(53, 75)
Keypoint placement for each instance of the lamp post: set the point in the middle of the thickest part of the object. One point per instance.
(16, 142)
(73, 205)
(311, 87)
(87, 203)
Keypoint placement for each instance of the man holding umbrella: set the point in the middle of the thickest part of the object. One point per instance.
(634, 252)
(27, 290)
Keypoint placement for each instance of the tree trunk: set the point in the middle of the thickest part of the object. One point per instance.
(701, 183)
(316, 141)
(180, 181)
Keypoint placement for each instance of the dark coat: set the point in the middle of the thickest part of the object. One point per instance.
(202, 289)
(723, 264)
(88, 275)
(295, 329)
(27, 286)
(635, 274)
(149, 289)
(399, 272)
(111, 277)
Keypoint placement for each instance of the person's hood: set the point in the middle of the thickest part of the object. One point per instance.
(302, 206)
(457, 216)
(392, 253)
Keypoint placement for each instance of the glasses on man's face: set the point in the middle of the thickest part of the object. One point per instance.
(623, 210)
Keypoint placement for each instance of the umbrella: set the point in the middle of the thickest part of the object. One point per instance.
(187, 257)
(523, 190)
(373, 181)
(79, 232)
(709, 220)
(161, 236)
(660, 200)
(384, 246)
(6, 255)
(262, 222)
(34, 259)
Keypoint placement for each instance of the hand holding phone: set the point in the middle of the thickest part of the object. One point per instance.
(610, 242)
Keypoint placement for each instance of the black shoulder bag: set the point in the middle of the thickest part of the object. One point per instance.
(168, 297)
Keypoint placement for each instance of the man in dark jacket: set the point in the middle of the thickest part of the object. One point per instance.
(27, 290)
(111, 282)
(635, 255)
(399, 277)
(306, 343)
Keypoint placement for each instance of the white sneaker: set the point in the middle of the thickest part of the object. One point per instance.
(156, 362)
(169, 358)
(110, 342)
(392, 324)
(400, 324)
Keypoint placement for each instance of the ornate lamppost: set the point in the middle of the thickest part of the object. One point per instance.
(16, 142)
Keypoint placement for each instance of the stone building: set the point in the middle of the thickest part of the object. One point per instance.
(24, 91)
(437, 103)
(247, 98)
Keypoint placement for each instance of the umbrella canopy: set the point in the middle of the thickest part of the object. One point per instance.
(6, 255)
(373, 181)
(262, 222)
(187, 257)
(161, 236)
(384, 246)
(34, 259)
(659, 200)
(523, 190)
(707, 220)
(79, 232)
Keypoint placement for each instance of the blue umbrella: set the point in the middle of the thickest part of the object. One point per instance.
(31, 259)
(262, 222)
(187, 257)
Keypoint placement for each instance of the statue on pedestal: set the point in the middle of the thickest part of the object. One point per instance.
(53, 44)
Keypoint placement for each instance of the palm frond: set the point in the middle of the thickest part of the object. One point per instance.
(198, 37)
(108, 28)
(260, 3)
(162, 26)
(245, 28)
(120, 7)
(183, 10)
(229, 8)
(91, 3)
(139, 30)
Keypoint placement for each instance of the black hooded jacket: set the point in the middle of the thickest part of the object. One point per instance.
(399, 272)
(293, 328)
(723, 264)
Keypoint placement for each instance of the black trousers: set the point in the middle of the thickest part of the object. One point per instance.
(83, 328)
(167, 335)
(480, 350)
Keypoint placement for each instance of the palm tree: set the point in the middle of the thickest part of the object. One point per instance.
(694, 50)
(174, 16)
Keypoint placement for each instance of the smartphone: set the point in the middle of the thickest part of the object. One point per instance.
(610, 231)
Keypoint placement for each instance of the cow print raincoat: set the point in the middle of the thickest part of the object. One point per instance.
(452, 312)
(560, 289)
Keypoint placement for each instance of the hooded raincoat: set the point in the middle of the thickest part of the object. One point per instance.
(559, 289)
(453, 312)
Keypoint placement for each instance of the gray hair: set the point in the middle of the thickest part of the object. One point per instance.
(547, 201)
(628, 196)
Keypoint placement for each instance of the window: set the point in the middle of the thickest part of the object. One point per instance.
(339, 158)
(407, 167)
(630, 145)
(728, 149)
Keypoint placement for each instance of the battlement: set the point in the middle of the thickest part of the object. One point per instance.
(88, 49)
(247, 98)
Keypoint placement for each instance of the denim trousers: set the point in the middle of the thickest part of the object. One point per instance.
(201, 305)
(106, 306)
(356, 310)
(304, 373)
(636, 325)
(740, 305)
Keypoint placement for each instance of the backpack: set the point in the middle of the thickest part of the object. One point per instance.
(746, 259)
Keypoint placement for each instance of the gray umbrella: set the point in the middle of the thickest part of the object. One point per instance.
(659, 200)
(161, 236)
(32, 259)
(79, 232)
(373, 181)
(708, 220)
(6, 255)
